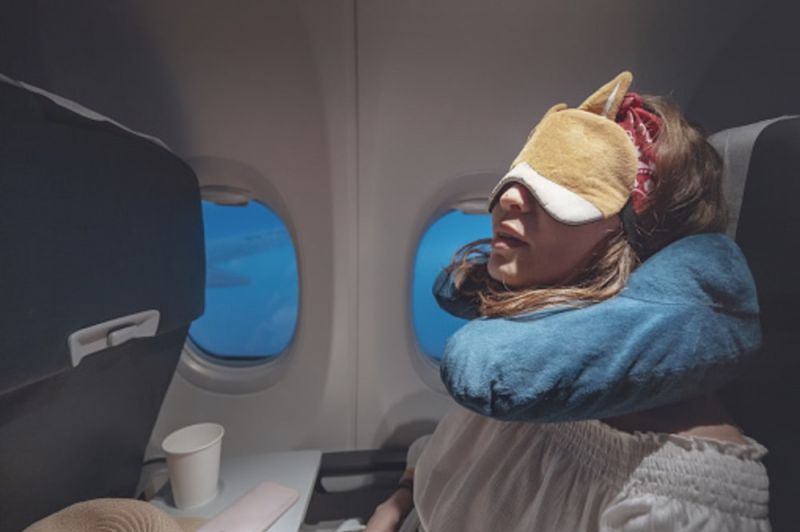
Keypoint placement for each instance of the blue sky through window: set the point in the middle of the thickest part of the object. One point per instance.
(252, 288)
(444, 237)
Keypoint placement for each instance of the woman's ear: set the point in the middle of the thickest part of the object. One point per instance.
(607, 99)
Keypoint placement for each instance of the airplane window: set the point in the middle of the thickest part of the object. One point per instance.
(444, 237)
(252, 289)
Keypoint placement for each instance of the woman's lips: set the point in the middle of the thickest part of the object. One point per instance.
(504, 240)
(507, 236)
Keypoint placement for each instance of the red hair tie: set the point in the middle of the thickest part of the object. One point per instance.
(642, 126)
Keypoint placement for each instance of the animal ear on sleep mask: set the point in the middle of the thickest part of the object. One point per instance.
(685, 322)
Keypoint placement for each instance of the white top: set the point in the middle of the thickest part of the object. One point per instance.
(480, 474)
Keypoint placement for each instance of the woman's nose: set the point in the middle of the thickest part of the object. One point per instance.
(516, 198)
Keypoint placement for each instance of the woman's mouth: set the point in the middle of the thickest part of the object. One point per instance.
(504, 239)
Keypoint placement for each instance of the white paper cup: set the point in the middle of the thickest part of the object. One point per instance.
(193, 463)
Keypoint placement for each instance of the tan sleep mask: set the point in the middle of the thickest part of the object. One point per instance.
(579, 164)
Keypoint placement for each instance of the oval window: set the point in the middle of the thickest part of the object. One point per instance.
(432, 325)
(252, 288)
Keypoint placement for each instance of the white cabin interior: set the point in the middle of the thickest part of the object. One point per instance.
(360, 123)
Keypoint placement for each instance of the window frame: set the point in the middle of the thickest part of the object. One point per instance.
(467, 194)
(229, 181)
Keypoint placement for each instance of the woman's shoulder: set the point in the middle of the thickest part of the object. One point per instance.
(700, 417)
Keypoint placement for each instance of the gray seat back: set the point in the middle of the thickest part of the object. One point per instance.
(763, 185)
(97, 225)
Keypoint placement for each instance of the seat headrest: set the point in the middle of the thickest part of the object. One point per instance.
(735, 146)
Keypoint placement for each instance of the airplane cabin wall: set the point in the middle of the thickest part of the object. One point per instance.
(367, 119)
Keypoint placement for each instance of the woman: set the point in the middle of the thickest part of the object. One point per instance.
(680, 466)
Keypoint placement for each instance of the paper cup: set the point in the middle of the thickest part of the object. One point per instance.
(193, 463)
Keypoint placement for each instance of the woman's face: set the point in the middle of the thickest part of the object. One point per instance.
(530, 248)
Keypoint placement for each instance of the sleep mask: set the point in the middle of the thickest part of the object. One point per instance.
(584, 164)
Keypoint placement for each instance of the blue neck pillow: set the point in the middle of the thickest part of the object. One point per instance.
(683, 325)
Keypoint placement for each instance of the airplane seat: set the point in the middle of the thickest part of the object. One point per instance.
(102, 272)
(762, 184)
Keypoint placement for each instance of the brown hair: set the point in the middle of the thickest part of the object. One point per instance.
(687, 199)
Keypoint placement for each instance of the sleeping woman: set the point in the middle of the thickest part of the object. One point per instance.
(608, 308)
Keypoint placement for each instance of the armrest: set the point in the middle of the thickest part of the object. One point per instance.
(380, 470)
(347, 463)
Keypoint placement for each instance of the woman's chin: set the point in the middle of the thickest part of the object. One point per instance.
(501, 271)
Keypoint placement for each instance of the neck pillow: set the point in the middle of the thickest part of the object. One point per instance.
(685, 322)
